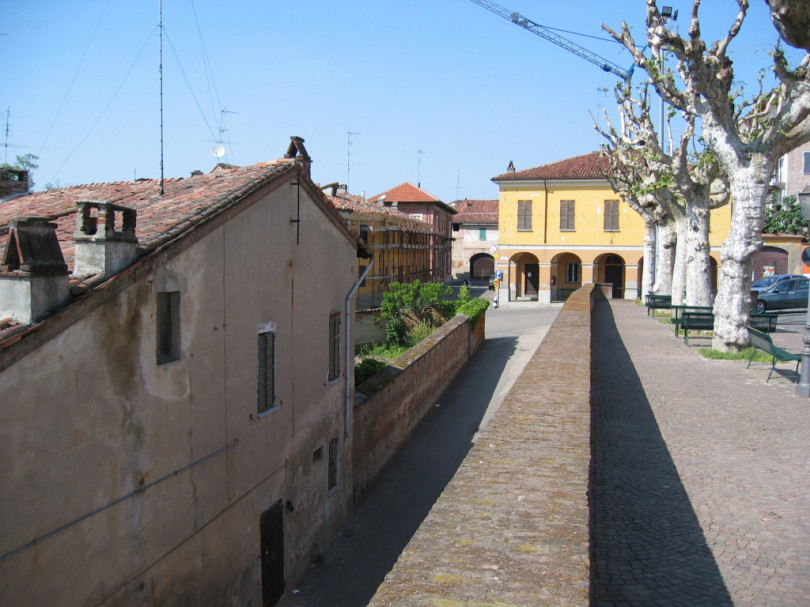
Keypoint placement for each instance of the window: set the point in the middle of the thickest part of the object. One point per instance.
(482, 233)
(572, 272)
(611, 216)
(168, 326)
(524, 214)
(267, 371)
(332, 473)
(807, 163)
(334, 345)
(567, 216)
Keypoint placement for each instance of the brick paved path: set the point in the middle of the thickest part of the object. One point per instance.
(701, 474)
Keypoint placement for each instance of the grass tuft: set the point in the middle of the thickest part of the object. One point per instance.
(745, 354)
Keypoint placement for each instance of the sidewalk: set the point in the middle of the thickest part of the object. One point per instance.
(700, 472)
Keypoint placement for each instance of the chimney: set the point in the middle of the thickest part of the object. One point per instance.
(105, 238)
(196, 173)
(13, 183)
(511, 167)
(33, 272)
(298, 153)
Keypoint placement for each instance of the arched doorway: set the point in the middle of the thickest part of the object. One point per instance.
(566, 276)
(613, 273)
(769, 261)
(526, 279)
(482, 265)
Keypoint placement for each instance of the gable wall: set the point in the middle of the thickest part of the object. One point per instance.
(93, 418)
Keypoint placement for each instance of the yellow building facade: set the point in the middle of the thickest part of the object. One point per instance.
(561, 225)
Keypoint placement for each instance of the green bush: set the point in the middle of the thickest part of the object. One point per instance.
(366, 369)
(474, 308)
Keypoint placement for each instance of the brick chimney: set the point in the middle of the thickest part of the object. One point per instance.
(298, 153)
(33, 272)
(13, 183)
(105, 238)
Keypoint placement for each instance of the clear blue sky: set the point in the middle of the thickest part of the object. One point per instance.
(439, 92)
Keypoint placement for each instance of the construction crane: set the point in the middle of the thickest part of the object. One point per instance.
(549, 35)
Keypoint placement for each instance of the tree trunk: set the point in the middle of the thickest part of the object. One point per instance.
(698, 261)
(648, 276)
(748, 187)
(678, 288)
(665, 258)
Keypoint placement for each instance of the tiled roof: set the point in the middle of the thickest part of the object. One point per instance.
(184, 204)
(587, 166)
(405, 192)
(357, 204)
(476, 211)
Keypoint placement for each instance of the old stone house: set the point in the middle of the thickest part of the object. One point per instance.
(174, 387)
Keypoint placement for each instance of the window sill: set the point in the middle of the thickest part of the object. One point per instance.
(259, 416)
(525, 230)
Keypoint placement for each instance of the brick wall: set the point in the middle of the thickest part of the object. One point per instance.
(389, 405)
(512, 527)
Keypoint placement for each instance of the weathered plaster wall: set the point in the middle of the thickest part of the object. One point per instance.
(144, 483)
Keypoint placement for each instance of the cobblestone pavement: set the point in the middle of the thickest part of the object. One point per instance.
(701, 472)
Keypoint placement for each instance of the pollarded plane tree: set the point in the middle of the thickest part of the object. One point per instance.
(682, 185)
(746, 137)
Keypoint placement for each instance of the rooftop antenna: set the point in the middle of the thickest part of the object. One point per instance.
(348, 158)
(160, 29)
(419, 168)
(458, 184)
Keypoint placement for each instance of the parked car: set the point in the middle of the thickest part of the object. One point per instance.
(492, 282)
(785, 294)
(768, 281)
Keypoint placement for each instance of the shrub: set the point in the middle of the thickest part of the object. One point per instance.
(366, 369)
(474, 309)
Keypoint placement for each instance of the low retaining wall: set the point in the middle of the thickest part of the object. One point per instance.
(512, 527)
(390, 404)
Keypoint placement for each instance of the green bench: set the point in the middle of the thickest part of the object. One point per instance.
(676, 313)
(658, 302)
(696, 321)
(765, 321)
(762, 341)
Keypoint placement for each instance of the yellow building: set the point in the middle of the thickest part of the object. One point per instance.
(561, 226)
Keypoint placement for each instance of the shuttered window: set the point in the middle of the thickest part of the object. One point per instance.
(567, 216)
(167, 316)
(807, 163)
(266, 371)
(524, 214)
(611, 216)
(334, 345)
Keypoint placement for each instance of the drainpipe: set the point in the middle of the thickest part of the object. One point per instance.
(348, 350)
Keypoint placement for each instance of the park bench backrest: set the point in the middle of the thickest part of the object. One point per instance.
(760, 340)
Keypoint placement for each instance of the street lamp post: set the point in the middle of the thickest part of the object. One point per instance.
(803, 387)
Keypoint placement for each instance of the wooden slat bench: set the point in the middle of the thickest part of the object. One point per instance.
(762, 341)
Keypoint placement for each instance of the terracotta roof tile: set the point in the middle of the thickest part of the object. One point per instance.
(185, 202)
(405, 192)
(476, 211)
(587, 166)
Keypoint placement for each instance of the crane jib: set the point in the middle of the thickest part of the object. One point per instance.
(549, 35)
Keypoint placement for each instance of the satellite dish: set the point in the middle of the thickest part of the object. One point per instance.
(218, 151)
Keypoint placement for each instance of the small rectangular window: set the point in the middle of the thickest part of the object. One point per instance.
(332, 474)
(807, 163)
(524, 214)
(567, 209)
(334, 346)
(482, 233)
(611, 216)
(266, 371)
(168, 326)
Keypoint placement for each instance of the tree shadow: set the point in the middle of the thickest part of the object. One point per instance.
(647, 546)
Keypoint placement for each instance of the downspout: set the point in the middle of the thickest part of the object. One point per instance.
(545, 211)
(348, 349)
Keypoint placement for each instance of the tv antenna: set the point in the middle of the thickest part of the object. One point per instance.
(348, 158)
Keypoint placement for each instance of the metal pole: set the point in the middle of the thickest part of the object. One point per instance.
(803, 387)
